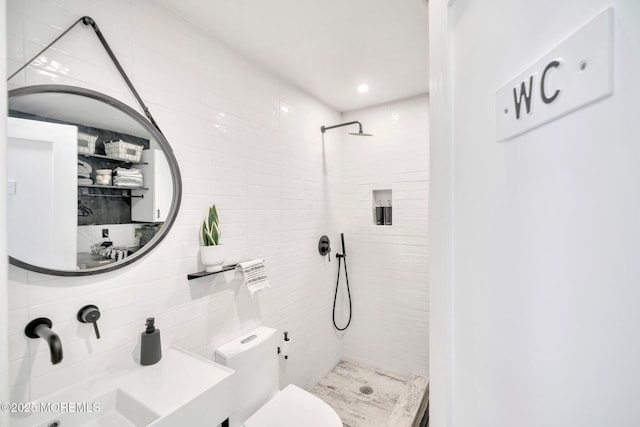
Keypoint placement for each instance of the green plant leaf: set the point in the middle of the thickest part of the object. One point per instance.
(204, 238)
(210, 233)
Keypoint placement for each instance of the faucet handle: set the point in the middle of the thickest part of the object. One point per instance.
(90, 314)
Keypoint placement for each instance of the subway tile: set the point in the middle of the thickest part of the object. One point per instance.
(15, 53)
(18, 295)
(18, 372)
(18, 346)
(18, 319)
(158, 29)
(256, 178)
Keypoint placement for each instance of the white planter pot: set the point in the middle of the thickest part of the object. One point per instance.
(212, 257)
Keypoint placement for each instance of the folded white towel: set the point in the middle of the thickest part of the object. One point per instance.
(127, 172)
(128, 178)
(255, 275)
(128, 181)
(84, 167)
(85, 181)
(129, 184)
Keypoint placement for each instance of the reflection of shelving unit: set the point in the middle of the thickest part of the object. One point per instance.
(108, 204)
(116, 187)
(120, 196)
(101, 156)
(125, 193)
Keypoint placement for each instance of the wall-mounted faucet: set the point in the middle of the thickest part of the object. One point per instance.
(41, 328)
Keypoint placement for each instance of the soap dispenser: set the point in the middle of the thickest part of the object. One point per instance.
(150, 347)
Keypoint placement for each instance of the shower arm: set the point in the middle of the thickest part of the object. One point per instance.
(87, 20)
(326, 128)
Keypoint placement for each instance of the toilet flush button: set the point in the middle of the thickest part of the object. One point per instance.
(248, 339)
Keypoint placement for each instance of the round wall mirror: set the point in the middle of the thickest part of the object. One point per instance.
(92, 184)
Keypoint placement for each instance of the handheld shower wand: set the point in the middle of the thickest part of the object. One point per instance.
(340, 256)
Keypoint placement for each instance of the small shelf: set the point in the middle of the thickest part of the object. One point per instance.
(207, 273)
(116, 187)
(102, 156)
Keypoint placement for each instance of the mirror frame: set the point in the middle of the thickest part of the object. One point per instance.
(176, 179)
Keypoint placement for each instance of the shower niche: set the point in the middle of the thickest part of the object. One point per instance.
(382, 207)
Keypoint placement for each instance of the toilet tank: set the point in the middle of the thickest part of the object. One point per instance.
(254, 358)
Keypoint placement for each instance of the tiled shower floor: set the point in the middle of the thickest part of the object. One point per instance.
(365, 396)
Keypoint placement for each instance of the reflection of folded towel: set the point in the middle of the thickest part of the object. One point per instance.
(127, 182)
(255, 275)
(124, 177)
(133, 172)
(84, 168)
(128, 178)
(84, 181)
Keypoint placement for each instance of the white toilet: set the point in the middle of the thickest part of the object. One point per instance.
(259, 403)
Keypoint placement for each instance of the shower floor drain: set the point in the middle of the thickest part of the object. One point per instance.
(365, 389)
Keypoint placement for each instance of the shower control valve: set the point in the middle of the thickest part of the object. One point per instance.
(90, 314)
(324, 246)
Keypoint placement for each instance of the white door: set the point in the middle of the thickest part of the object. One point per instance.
(535, 282)
(42, 193)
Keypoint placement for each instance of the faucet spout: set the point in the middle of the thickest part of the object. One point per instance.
(41, 328)
(55, 345)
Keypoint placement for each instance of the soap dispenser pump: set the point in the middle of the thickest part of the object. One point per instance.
(150, 347)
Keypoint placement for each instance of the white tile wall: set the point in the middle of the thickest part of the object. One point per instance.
(388, 265)
(244, 140)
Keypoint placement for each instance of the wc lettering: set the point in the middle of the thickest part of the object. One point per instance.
(523, 94)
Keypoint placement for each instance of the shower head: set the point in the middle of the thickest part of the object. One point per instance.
(323, 129)
(360, 134)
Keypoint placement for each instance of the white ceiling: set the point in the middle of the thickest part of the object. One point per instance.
(326, 47)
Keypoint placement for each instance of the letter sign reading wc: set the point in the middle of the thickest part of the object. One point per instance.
(576, 73)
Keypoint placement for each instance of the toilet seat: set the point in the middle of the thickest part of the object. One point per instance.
(294, 407)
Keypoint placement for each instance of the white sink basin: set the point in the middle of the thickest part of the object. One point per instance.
(117, 409)
(181, 390)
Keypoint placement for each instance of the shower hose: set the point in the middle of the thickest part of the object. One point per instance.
(335, 295)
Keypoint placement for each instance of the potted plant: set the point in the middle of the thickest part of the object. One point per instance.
(212, 252)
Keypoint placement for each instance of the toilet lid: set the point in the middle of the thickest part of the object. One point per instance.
(294, 407)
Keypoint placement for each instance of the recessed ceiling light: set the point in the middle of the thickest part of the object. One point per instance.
(363, 88)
